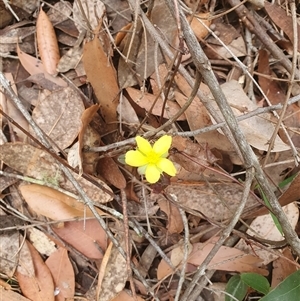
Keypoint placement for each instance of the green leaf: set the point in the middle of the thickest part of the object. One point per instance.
(287, 181)
(275, 220)
(288, 289)
(257, 282)
(236, 288)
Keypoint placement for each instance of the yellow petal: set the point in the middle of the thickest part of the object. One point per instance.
(152, 173)
(162, 145)
(135, 158)
(143, 145)
(167, 166)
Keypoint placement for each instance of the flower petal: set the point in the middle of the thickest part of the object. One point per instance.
(143, 145)
(162, 145)
(167, 166)
(135, 158)
(152, 173)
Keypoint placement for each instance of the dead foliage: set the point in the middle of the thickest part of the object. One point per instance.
(79, 80)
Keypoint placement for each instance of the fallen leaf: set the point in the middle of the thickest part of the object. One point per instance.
(11, 295)
(284, 21)
(47, 43)
(38, 164)
(175, 223)
(102, 76)
(54, 204)
(34, 67)
(62, 273)
(145, 100)
(38, 286)
(216, 201)
(226, 259)
(88, 237)
(264, 227)
(258, 129)
(113, 270)
(58, 115)
(9, 248)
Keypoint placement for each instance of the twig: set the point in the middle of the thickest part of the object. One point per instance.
(186, 253)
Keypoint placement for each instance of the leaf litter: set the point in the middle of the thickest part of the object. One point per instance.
(102, 75)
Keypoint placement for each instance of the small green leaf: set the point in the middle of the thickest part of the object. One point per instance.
(288, 289)
(257, 282)
(236, 288)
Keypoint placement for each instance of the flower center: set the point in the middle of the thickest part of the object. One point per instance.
(153, 157)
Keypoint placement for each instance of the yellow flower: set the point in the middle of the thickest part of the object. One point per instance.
(151, 161)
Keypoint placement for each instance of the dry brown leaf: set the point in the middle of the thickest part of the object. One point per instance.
(282, 20)
(175, 223)
(192, 156)
(38, 164)
(58, 115)
(54, 204)
(86, 118)
(226, 259)
(102, 76)
(258, 129)
(127, 112)
(88, 237)
(198, 117)
(9, 248)
(35, 67)
(145, 100)
(276, 94)
(216, 201)
(47, 43)
(264, 227)
(92, 9)
(109, 170)
(70, 59)
(283, 268)
(199, 30)
(42, 243)
(112, 270)
(7, 294)
(14, 113)
(37, 287)
(133, 71)
(62, 273)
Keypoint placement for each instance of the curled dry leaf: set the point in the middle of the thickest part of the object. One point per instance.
(38, 286)
(58, 115)
(34, 162)
(62, 273)
(47, 43)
